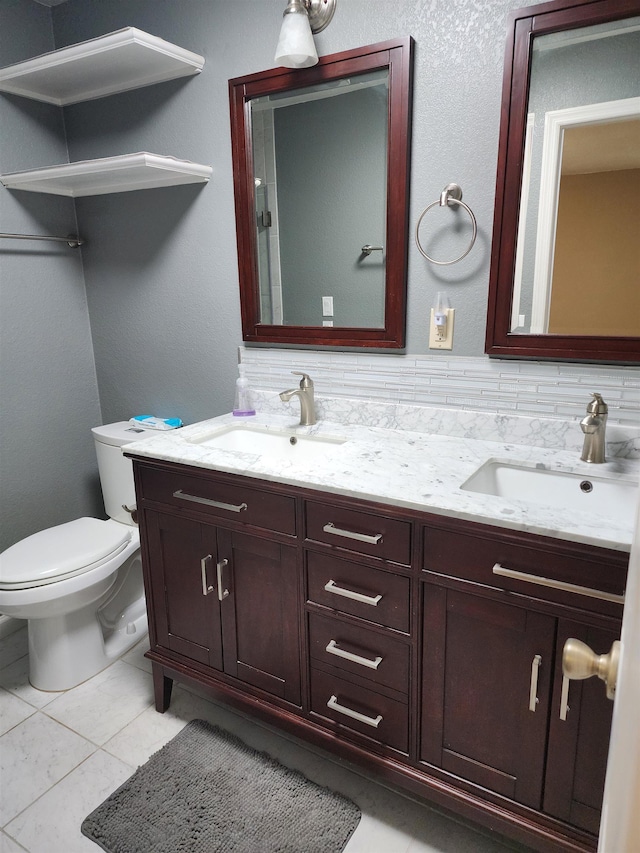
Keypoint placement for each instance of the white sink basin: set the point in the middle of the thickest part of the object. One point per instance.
(263, 442)
(612, 498)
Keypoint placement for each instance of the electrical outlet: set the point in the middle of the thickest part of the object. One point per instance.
(446, 342)
(327, 322)
(327, 306)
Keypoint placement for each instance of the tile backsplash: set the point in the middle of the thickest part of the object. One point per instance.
(526, 402)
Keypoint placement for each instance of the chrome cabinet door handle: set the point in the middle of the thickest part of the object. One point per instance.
(373, 600)
(334, 649)
(185, 496)
(374, 722)
(206, 589)
(222, 594)
(564, 698)
(533, 687)
(350, 534)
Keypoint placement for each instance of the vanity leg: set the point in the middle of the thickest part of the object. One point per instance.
(161, 687)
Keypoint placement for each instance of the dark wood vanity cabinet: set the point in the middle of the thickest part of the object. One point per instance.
(358, 621)
(394, 638)
(221, 596)
(478, 661)
(494, 712)
(187, 621)
(492, 699)
(578, 744)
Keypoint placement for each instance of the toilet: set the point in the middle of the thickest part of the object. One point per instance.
(79, 584)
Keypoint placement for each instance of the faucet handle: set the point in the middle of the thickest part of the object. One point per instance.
(306, 381)
(597, 406)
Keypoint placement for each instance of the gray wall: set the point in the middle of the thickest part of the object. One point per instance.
(161, 270)
(48, 389)
(160, 267)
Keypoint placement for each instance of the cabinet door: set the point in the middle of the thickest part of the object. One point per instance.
(260, 613)
(183, 587)
(579, 744)
(487, 670)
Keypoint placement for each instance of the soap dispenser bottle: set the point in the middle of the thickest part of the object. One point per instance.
(242, 406)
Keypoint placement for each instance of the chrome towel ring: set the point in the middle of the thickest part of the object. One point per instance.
(451, 194)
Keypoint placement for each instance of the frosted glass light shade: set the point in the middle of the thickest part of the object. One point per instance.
(296, 47)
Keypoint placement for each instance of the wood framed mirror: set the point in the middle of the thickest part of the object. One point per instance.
(565, 265)
(321, 161)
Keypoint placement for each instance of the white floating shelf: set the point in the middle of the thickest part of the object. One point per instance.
(109, 175)
(116, 62)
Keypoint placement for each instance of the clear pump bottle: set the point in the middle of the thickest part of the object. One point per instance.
(243, 406)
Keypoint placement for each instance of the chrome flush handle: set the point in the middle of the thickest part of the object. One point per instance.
(133, 512)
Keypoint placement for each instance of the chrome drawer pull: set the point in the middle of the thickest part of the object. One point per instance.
(349, 534)
(373, 600)
(533, 688)
(361, 718)
(334, 649)
(561, 585)
(206, 589)
(207, 502)
(219, 567)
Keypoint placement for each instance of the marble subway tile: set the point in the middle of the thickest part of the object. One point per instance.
(491, 391)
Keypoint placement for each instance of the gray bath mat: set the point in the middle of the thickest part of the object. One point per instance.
(208, 792)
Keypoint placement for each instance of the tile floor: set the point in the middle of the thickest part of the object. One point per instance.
(61, 754)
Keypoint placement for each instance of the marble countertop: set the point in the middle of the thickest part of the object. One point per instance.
(415, 470)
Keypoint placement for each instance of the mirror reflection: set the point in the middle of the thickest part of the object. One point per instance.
(578, 255)
(320, 174)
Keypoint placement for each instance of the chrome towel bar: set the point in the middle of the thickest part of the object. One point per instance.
(72, 240)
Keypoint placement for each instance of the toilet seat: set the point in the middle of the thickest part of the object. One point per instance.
(61, 552)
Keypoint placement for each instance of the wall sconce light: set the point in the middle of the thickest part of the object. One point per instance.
(302, 18)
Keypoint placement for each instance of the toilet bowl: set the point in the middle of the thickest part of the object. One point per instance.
(79, 584)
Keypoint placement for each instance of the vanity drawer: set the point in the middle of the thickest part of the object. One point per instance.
(353, 648)
(544, 572)
(363, 532)
(363, 711)
(221, 500)
(371, 594)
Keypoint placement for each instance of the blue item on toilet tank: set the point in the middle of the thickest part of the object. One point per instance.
(151, 422)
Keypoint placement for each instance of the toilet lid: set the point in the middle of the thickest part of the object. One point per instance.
(61, 552)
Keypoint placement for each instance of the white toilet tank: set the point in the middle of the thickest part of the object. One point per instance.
(116, 471)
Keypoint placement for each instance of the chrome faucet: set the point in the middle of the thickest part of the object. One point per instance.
(593, 426)
(305, 393)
